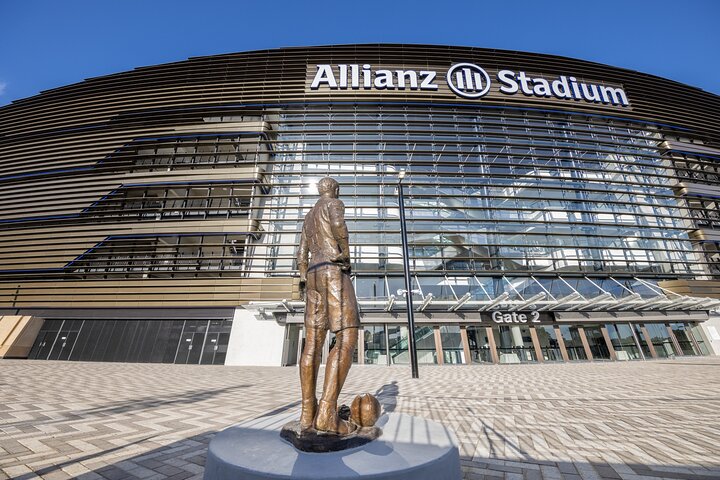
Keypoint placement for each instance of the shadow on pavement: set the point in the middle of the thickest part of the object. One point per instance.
(387, 396)
(186, 459)
(127, 406)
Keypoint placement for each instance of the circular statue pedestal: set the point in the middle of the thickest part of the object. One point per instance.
(410, 448)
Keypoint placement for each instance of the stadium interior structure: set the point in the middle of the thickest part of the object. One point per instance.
(153, 215)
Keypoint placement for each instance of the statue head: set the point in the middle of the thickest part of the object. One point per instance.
(328, 187)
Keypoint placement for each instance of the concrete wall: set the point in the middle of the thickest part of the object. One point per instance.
(711, 328)
(255, 340)
(17, 335)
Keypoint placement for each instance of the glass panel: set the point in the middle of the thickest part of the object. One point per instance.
(623, 342)
(660, 339)
(375, 345)
(425, 343)
(682, 335)
(695, 330)
(398, 344)
(641, 338)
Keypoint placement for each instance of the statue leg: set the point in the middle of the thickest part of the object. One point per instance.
(310, 361)
(336, 370)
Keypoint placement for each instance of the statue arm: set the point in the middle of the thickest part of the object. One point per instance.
(302, 255)
(340, 231)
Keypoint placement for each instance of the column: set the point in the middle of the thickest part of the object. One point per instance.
(675, 344)
(536, 345)
(586, 346)
(361, 346)
(438, 345)
(696, 345)
(648, 341)
(493, 347)
(465, 344)
(609, 344)
(561, 343)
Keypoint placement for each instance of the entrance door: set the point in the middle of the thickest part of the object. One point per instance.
(292, 342)
(623, 341)
(596, 341)
(191, 342)
(514, 344)
(43, 345)
(63, 346)
(195, 347)
(65, 341)
(573, 343)
(479, 344)
(215, 346)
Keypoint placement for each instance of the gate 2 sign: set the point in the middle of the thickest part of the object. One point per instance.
(510, 318)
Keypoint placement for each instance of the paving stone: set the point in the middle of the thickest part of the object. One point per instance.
(580, 421)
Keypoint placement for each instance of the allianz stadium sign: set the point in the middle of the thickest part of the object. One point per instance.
(465, 80)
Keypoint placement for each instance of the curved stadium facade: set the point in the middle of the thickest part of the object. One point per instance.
(558, 210)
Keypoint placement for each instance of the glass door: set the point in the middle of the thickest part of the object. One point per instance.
(452, 348)
(660, 339)
(623, 342)
(398, 344)
(549, 345)
(216, 342)
(596, 342)
(375, 345)
(641, 338)
(695, 331)
(514, 344)
(43, 345)
(573, 343)
(479, 344)
(292, 342)
(191, 341)
(65, 340)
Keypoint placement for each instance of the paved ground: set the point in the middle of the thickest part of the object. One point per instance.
(630, 421)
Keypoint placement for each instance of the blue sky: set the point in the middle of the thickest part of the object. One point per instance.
(50, 43)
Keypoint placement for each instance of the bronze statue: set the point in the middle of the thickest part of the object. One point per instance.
(330, 305)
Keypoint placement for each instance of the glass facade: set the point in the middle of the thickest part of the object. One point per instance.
(488, 191)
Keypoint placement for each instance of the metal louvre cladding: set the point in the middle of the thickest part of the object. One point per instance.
(185, 184)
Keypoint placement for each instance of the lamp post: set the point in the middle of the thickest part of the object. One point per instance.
(408, 281)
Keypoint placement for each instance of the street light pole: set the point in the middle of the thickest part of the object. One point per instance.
(408, 281)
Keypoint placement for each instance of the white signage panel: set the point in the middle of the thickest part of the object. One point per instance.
(465, 80)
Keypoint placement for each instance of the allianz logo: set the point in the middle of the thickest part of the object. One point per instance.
(466, 80)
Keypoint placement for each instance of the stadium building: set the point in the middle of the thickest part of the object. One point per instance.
(557, 210)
